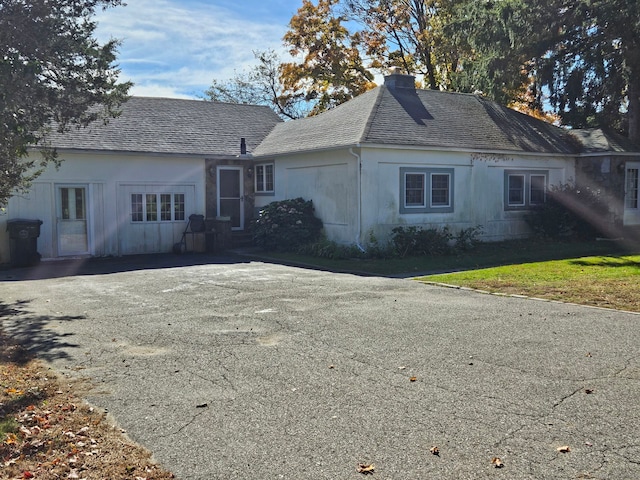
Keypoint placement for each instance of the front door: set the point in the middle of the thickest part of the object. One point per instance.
(72, 220)
(231, 196)
(631, 194)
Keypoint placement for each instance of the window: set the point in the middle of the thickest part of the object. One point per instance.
(440, 190)
(264, 179)
(152, 207)
(149, 207)
(631, 196)
(137, 208)
(414, 190)
(524, 189)
(72, 202)
(178, 207)
(426, 190)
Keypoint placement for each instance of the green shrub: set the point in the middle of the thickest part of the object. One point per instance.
(324, 248)
(467, 239)
(286, 225)
(416, 241)
(570, 212)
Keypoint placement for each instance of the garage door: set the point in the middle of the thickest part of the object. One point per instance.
(152, 217)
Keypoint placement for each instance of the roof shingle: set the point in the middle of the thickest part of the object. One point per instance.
(421, 118)
(174, 126)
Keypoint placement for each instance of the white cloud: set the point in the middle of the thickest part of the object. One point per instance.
(176, 48)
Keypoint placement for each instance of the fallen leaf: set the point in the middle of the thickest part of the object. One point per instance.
(564, 449)
(13, 391)
(588, 444)
(435, 450)
(402, 368)
(27, 474)
(413, 379)
(588, 354)
(332, 366)
(366, 469)
(11, 439)
(202, 405)
(496, 462)
(588, 391)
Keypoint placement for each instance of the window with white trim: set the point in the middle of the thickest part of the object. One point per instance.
(426, 190)
(524, 189)
(154, 207)
(631, 195)
(264, 182)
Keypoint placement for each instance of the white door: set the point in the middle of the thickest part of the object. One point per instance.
(231, 196)
(631, 199)
(72, 220)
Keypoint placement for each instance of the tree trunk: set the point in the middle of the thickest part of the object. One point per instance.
(633, 112)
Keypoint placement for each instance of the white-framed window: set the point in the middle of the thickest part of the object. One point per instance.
(154, 207)
(524, 188)
(631, 194)
(264, 179)
(426, 190)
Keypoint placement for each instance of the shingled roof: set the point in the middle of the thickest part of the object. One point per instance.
(597, 140)
(397, 113)
(174, 126)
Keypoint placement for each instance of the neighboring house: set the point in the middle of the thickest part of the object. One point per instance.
(130, 186)
(398, 156)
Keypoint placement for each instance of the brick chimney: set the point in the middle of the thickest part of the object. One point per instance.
(399, 80)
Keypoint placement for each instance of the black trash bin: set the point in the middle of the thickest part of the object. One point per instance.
(23, 238)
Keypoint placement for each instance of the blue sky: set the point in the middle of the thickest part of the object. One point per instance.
(175, 48)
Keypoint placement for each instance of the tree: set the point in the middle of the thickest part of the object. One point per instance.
(409, 34)
(575, 58)
(262, 85)
(53, 74)
(331, 70)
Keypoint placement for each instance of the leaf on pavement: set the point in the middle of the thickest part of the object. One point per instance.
(366, 469)
(496, 462)
(564, 449)
(413, 379)
(435, 450)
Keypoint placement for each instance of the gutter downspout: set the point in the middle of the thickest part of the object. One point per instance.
(359, 193)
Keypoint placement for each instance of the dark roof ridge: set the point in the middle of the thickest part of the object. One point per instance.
(372, 114)
(198, 100)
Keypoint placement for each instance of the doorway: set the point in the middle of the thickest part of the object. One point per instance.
(230, 199)
(71, 220)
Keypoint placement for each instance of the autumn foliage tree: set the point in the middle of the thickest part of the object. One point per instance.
(52, 72)
(330, 70)
(409, 34)
(574, 62)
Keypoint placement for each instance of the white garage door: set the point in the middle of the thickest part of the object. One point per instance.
(153, 217)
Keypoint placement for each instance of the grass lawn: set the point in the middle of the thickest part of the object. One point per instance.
(604, 281)
(486, 255)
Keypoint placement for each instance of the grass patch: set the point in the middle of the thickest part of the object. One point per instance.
(609, 281)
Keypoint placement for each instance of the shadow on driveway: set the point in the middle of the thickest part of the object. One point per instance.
(103, 266)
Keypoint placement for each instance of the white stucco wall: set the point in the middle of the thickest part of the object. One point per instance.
(109, 179)
(327, 178)
(478, 190)
(331, 180)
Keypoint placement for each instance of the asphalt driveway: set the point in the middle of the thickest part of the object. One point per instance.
(239, 369)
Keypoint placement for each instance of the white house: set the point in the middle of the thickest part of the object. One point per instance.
(400, 156)
(130, 186)
(394, 156)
